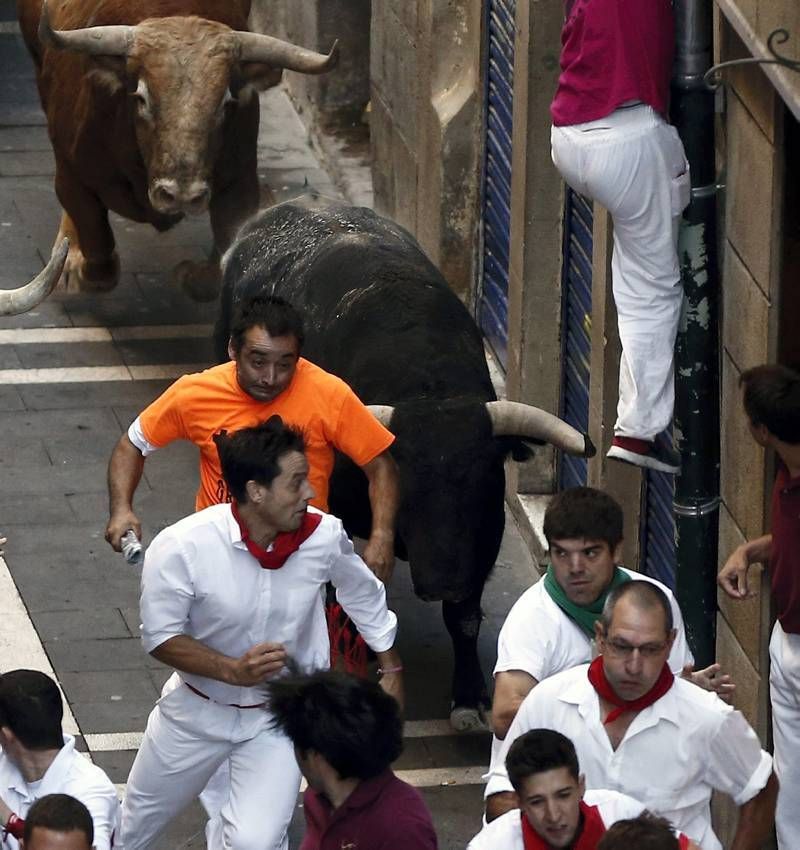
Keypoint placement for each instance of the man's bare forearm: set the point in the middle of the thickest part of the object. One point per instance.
(384, 492)
(759, 550)
(124, 474)
(188, 655)
(757, 818)
(500, 803)
(256, 665)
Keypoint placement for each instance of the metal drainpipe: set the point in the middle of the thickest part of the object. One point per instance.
(697, 351)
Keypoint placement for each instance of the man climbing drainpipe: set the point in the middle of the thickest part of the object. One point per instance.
(611, 141)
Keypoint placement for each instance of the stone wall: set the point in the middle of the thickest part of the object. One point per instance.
(425, 122)
(752, 155)
(754, 21)
(340, 97)
(537, 204)
(750, 146)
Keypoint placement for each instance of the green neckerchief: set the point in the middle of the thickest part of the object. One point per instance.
(584, 615)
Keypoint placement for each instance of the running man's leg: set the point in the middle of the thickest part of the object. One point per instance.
(185, 741)
(265, 782)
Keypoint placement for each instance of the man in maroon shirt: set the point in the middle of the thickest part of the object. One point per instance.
(346, 733)
(772, 404)
(611, 141)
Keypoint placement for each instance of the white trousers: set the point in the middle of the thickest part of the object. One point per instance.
(186, 740)
(633, 163)
(784, 691)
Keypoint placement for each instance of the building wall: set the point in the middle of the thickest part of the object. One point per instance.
(425, 120)
(753, 21)
(751, 152)
(337, 98)
(537, 203)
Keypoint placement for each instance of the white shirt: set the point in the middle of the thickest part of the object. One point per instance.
(538, 638)
(200, 580)
(70, 773)
(674, 753)
(505, 833)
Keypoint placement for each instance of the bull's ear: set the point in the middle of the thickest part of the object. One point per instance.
(109, 71)
(520, 450)
(261, 76)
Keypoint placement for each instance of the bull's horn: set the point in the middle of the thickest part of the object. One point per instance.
(25, 298)
(382, 412)
(511, 418)
(254, 47)
(97, 41)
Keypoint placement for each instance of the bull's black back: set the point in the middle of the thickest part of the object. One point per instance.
(377, 311)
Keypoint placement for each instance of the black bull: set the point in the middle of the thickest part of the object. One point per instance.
(380, 315)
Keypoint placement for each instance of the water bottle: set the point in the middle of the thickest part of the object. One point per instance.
(131, 547)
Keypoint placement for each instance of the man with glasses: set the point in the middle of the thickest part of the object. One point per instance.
(583, 527)
(640, 730)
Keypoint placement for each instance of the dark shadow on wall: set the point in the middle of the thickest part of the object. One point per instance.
(789, 305)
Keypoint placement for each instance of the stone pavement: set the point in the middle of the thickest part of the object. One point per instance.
(73, 373)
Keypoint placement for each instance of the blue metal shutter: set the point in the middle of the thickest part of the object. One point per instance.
(493, 302)
(576, 324)
(657, 533)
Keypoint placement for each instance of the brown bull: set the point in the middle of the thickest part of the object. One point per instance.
(152, 112)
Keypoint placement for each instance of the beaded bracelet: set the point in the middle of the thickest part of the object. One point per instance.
(383, 670)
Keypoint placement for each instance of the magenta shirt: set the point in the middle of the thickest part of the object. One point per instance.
(613, 51)
(784, 562)
(383, 813)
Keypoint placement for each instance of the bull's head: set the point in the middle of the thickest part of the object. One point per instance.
(450, 458)
(184, 74)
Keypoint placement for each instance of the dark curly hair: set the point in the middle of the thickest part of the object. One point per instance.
(59, 813)
(647, 832)
(274, 314)
(353, 724)
(253, 454)
(538, 750)
(583, 512)
(772, 399)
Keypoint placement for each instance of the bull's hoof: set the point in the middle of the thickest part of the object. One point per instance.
(200, 281)
(469, 719)
(81, 275)
(99, 277)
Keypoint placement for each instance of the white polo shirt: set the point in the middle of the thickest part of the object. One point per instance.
(199, 580)
(673, 755)
(538, 638)
(505, 833)
(70, 773)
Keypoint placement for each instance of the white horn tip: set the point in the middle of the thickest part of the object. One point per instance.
(331, 60)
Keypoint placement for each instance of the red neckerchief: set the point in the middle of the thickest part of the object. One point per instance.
(592, 829)
(597, 676)
(284, 544)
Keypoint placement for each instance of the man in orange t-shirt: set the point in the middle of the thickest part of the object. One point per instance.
(265, 376)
